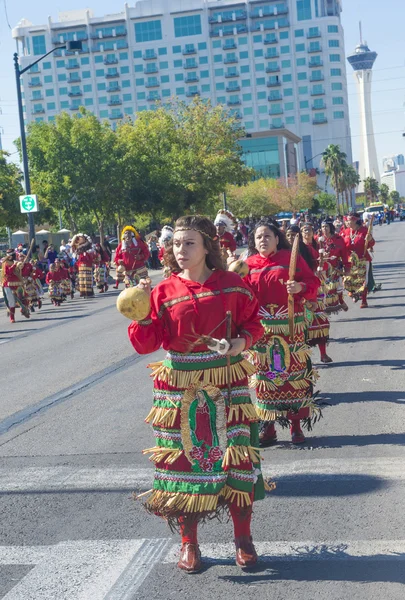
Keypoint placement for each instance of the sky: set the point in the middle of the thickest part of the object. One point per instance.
(382, 29)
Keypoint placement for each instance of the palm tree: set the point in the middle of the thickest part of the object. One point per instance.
(334, 162)
(352, 177)
(371, 188)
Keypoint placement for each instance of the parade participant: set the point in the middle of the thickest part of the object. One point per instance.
(72, 270)
(166, 235)
(65, 284)
(318, 326)
(131, 257)
(284, 378)
(54, 279)
(30, 288)
(225, 223)
(335, 255)
(13, 286)
(37, 275)
(206, 451)
(101, 271)
(84, 255)
(358, 241)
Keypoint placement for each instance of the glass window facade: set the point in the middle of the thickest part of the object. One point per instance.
(185, 26)
(304, 10)
(339, 114)
(148, 31)
(38, 45)
(333, 29)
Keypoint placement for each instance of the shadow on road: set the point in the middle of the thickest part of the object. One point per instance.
(351, 397)
(334, 485)
(327, 565)
(345, 340)
(396, 365)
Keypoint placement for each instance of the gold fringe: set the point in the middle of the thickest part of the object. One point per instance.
(166, 503)
(167, 455)
(284, 328)
(237, 454)
(162, 416)
(248, 411)
(318, 333)
(242, 498)
(301, 384)
(271, 415)
(216, 376)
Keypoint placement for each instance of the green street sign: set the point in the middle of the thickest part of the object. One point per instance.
(29, 204)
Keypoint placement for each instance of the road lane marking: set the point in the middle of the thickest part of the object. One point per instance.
(116, 569)
(65, 478)
(28, 413)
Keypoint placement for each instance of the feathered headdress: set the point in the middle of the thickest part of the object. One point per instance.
(134, 232)
(166, 234)
(226, 218)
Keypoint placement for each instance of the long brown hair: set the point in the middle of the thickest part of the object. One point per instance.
(208, 231)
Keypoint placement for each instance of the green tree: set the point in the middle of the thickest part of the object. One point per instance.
(295, 193)
(384, 193)
(327, 203)
(395, 197)
(334, 163)
(10, 190)
(75, 167)
(256, 198)
(371, 188)
(181, 157)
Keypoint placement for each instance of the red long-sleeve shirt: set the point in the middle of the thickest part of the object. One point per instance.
(355, 241)
(178, 306)
(336, 250)
(11, 274)
(227, 241)
(133, 257)
(268, 277)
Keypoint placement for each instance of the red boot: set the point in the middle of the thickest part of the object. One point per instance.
(116, 285)
(364, 299)
(268, 434)
(297, 437)
(12, 315)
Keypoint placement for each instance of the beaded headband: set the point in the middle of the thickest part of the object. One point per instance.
(207, 235)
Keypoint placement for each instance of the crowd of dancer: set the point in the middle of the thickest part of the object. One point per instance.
(229, 326)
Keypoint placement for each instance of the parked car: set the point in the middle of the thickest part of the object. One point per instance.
(402, 214)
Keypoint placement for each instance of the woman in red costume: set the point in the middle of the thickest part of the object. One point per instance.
(334, 253)
(13, 285)
(284, 377)
(206, 453)
(318, 323)
(84, 255)
(358, 242)
(131, 257)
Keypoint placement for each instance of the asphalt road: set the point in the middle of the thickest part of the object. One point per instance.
(72, 403)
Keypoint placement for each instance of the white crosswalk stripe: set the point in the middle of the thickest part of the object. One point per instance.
(72, 478)
(116, 569)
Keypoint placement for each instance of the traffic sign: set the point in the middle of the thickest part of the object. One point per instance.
(29, 204)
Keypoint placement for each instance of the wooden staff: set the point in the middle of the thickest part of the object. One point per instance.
(228, 358)
(291, 277)
(370, 229)
(29, 251)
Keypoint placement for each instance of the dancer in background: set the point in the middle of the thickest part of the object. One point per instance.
(284, 378)
(318, 323)
(13, 285)
(131, 257)
(335, 256)
(84, 255)
(101, 270)
(358, 241)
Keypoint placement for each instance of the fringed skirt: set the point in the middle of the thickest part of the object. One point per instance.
(317, 322)
(356, 282)
(31, 291)
(85, 281)
(101, 276)
(333, 285)
(55, 290)
(66, 287)
(206, 453)
(284, 379)
(133, 277)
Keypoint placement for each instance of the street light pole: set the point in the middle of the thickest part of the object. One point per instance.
(27, 183)
(75, 45)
